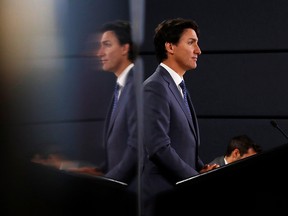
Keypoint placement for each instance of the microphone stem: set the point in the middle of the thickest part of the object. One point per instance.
(282, 132)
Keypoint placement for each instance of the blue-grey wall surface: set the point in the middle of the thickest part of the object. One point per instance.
(239, 86)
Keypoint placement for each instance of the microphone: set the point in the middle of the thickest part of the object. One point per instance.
(274, 124)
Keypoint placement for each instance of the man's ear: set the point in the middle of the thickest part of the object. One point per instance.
(169, 47)
(236, 153)
(125, 49)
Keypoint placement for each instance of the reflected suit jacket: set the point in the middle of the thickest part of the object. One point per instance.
(120, 136)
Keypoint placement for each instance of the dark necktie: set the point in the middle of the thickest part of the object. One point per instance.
(116, 95)
(184, 90)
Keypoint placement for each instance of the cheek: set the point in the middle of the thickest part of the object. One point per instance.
(114, 54)
(185, 54)
(188, 53)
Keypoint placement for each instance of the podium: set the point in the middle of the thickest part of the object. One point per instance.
(40, 190)
(252, 186)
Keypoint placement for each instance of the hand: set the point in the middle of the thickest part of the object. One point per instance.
(86, 170)
(59, 162)
(53, 160)
(208, 167)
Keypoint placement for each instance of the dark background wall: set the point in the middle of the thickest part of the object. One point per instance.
(59, 99)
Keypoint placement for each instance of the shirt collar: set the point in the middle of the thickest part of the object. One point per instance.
(121, 80)
(177, 79)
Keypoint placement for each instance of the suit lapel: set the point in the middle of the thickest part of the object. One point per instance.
(193, 114)
(175, 91)
(108, 118)
(121, 102)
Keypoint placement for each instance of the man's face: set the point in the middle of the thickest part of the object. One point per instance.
(249, 153)
(111, 53)
(187, 50)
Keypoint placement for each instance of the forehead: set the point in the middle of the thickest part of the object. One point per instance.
(250, 151)
(109, 36)
(189, 33)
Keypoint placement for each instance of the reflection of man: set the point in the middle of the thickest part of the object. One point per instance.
(116, 54)
(239, 147)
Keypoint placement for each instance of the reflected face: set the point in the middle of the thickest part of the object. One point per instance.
(250, 152)
(111, 53)
(187, 50)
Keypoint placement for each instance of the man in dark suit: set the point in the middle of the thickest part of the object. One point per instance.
(116, 54)
(171, 135)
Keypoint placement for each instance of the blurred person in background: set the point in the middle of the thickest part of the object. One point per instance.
(239, 147)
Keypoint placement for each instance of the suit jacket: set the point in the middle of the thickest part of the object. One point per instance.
(218, 160)
(120, 136)
(171, 137)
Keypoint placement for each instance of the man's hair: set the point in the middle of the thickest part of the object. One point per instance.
(171, 31)
(243, 143)
(122, 30)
